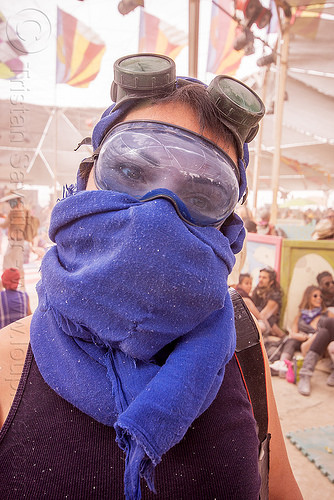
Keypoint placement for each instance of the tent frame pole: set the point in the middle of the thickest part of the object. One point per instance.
(193, 30)
(258, 145)
(279, 104)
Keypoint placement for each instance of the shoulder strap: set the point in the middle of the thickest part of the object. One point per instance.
(251, 363)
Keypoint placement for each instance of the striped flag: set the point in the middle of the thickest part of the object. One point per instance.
(222, 58)
(158, 37)
(79, 51)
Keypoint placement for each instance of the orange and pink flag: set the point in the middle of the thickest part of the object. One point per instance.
(222, 58)
(159, 37)
(79, 51)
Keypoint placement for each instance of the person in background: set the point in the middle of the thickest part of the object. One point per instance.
(14, 304)
(326, 285)
(323, 339)
(324, 228)
(306, 324)
(267, 297)
(263, 224)
(265, 227)
(244, 288)
(250, 225)
(15, 223)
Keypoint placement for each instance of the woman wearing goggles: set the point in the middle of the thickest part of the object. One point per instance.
(133, 336)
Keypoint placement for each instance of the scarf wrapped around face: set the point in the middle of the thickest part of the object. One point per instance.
(134, 324)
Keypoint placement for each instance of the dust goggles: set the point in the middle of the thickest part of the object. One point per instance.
(151, 159)
(144, 76)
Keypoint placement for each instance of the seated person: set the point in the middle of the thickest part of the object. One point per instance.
(326, 285)
(330, 379)
(305, 325)
(323, 339)
(244, 288)
(14, 304)
(267, 297)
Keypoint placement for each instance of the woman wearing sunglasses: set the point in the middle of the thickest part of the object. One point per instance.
(322, 321)
(312, 313)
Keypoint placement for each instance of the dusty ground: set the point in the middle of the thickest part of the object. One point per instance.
(299, 412)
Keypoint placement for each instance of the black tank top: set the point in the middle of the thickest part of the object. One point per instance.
(50, 449)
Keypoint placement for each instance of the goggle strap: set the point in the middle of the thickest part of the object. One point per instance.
(87, 164)
(244, 197)
(86, 141)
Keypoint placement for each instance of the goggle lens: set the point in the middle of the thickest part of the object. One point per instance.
(146, 64)
(149, 160)
(240, 95)
(143, 76)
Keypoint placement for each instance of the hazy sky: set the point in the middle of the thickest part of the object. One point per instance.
(35, 23)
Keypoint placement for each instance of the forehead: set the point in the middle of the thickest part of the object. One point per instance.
(326, 279)
(181, 115)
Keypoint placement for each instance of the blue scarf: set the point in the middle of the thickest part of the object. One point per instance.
(124, 281)
(308, 315)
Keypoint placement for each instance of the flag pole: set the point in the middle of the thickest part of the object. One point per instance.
(193, 37)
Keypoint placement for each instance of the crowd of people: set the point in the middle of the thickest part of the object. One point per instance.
(320, 221)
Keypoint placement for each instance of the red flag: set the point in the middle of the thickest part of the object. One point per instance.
(222, 58)
(79, 51)
(158, 37)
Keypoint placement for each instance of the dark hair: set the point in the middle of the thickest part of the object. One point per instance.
(271, 272)
(243, 276)
(306, 299)
(250, 225)
(196, 97)
(273, 278)
(323, 275)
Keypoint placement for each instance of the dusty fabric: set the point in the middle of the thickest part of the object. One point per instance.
(150, 280)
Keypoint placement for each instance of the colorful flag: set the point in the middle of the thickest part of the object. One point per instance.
(11, 49)
(79, 51)
(222, 58)
(158, 37)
